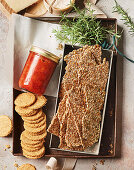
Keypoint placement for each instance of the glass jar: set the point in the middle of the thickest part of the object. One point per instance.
(38, 70)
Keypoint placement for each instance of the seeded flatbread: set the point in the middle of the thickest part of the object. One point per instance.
(83, 87)
(5, 125)
(26, 167)
(40, 102)
(54, 127)
(25, 99)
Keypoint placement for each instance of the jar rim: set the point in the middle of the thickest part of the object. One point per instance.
(45, 53)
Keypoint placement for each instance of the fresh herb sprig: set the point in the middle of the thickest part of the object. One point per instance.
(83, 29)
(127, 19)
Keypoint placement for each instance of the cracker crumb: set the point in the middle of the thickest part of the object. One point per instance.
(8, 146)
(60, 47)
(94, 167)
(111, 145)
(110, 151)
(16, 165)
(102, 162)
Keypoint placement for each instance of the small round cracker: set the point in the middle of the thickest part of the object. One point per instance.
(5, 125)
(32, 133)
(24, 139)
(33, 145)
(40, 102)
(25, 111)
(30, 148)
(33, 157)
(36, 121)
(35, 137)
(34, 117)
(25, 99)
(33, 125)
(26, 167)
(38, 153)
(35, 130)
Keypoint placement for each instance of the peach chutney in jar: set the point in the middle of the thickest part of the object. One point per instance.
(38, 70)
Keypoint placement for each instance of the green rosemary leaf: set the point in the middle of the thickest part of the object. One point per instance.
(84, 29)
(127, 19)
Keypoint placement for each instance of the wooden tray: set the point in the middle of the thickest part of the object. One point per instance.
(108, 142)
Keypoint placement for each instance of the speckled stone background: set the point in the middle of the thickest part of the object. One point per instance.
(125, 103)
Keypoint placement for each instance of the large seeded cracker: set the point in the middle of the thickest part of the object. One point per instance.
(63, 126)
(62, 108)
(83, 87)
(72, 136)
(89, 126)
(73, 126)
(54, 127)
(24, 99)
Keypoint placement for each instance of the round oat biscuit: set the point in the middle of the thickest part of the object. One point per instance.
(33, 157)
(33, 145)
(35, 121)
(5, 125)
(35, 125)
(32, 133)
(36, 136)
(26, 167)
(40, 102)
(30, 148)
(34, 117)
(25, 99)
(25, 111)
(36, 154)
(24, 139)
(35, 130)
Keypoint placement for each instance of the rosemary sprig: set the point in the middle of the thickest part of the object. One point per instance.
(127, 19)
(84, 29)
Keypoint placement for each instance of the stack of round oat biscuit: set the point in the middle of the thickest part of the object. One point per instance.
(29, 107)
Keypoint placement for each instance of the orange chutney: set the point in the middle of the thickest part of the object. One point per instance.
(38, 70)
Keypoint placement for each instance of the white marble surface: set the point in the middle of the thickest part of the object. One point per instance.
(125, 109)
